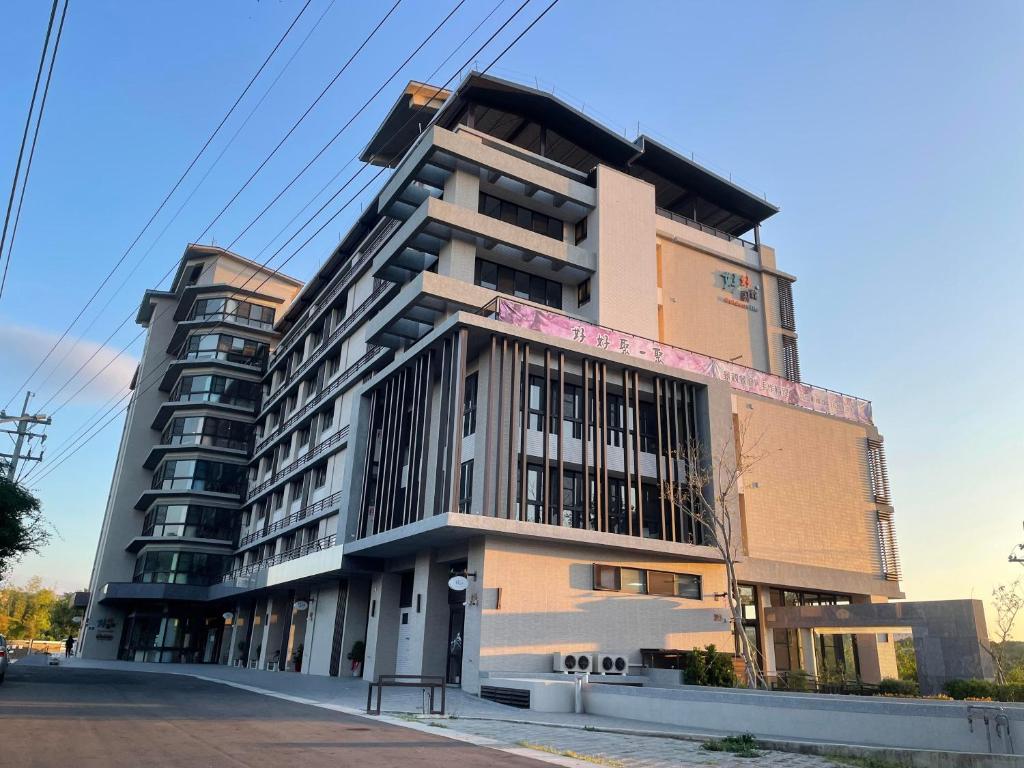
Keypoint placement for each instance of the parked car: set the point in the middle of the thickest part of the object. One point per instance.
(4, 661)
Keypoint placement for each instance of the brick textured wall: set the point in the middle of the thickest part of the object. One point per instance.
(548, 604)
(808, 501)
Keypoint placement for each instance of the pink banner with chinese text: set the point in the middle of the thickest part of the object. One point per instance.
(739, 377)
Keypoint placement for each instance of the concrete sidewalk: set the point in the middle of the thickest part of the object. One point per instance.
(565, 739)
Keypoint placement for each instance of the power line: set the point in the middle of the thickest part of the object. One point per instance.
(24, 136)
(162, 203)
(157, 371)
(32, 150)
(177, 213)
(309, 109)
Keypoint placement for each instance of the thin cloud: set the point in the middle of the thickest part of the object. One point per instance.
(23, 347)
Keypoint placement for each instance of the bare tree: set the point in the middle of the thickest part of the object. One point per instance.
(708, 492)
(1008, 601)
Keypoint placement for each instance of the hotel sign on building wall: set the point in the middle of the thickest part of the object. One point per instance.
(740, 291)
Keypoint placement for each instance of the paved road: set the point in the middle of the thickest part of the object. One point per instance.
(60, 717)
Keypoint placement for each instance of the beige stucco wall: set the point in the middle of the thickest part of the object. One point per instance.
(808, 501)
(625, 288)
(548, 604)
(695, 315)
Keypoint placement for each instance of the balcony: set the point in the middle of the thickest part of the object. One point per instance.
(417, 244)
(326, 448)
(310, 511)
(502, 166)
(327, 542)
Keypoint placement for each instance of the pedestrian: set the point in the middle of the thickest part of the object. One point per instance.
(68, 645)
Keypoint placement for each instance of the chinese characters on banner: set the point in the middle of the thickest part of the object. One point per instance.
(737, 376)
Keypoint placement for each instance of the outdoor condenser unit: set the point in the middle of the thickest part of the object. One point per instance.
(573, 662)
(612, 664)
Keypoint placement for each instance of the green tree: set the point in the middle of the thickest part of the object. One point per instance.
(62, 617)
(22, 528)
(906, 659)
(25, 612)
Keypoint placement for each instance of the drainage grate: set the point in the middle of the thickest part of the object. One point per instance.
(513, 697)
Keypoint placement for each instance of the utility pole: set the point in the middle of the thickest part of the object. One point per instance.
(24, 424)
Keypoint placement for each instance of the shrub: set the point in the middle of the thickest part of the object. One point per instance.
(892, 687)
(709, 667)
(984, 690)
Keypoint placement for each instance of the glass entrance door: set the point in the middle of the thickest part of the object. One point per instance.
(456, 627)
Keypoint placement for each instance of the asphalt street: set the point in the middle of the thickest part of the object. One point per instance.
(59, 717)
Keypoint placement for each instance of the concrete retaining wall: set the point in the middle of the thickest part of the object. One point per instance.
(879, 722)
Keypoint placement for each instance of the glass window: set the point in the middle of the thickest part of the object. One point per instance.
(583, 293)
(522, 285)
(606, 577)
(207, 430)
(466, 487)
(199, 568)
(521, 216)
(320, 475)
(469, 406)
(580, 231)
(633, 580)
(536, 403)
(199, 475)
(221, 346)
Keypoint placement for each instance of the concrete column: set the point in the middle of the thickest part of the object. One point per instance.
(297, 633)
(278, 608)
(382, 628)
(767, 635)
(233, 636)
(809, 651)
(357, 611)
(473, 630)
(429, 615)
(323, 607)
(868, 659)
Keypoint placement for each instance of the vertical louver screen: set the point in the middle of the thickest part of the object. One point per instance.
(878, 472)
(787, 317)
(790, 358)
(888, 551)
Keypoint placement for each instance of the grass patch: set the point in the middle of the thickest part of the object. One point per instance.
(596, 759)
(741, 746)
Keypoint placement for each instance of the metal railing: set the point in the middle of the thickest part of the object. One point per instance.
(283, 557)
(366, 254)
(704, 227)
(313, 404)
(294, 377)
(313, 453)
(285, 522)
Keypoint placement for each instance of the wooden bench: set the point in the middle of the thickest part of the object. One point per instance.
(430, 682)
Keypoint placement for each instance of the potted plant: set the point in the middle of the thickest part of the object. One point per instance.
(272, 664)
(240, 658)
(297, 658)
(356, 656)
(254, 662)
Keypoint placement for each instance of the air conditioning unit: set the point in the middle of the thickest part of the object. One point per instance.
(573, 662)
(612, 664)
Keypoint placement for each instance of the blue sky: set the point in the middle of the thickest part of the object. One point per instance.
(889, 133)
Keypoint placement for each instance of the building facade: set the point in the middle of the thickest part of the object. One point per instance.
(495, 374)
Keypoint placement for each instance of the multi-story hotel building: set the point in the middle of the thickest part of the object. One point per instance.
(494, 374)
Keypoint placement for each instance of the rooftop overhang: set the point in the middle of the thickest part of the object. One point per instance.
(513, 112)
(686, 187)
(128, 591)
(195, 251)
(148, 305)
(414, 109)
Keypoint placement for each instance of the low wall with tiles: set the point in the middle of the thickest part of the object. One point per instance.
(953, 726)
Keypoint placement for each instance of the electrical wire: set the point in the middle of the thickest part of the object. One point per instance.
(85, 440)
(162, 203)
(24, 136)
